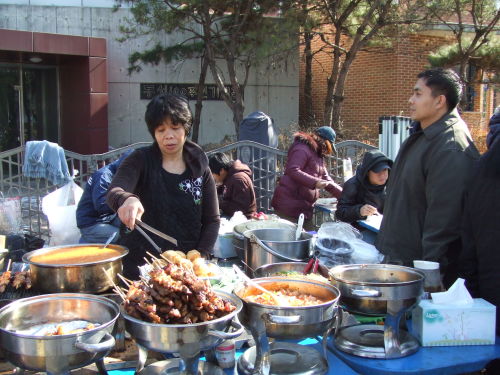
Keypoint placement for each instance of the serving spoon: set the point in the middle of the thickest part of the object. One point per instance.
(108, 241)
(240, 274)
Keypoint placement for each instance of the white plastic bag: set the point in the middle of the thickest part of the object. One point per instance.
(365, 253)
(60, 208)
(10, 214)
(341, 243)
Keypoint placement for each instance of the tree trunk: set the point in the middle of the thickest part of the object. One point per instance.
(308, 117)
(331, 83)
(199, 100)
(338, 97)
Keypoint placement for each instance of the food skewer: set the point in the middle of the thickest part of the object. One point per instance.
(126, 281)
(115, 287)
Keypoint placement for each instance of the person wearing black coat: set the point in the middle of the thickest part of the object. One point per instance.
(479, 261)
(364, 194)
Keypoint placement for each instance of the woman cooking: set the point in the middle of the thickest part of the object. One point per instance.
(167, 185)
(305, 174)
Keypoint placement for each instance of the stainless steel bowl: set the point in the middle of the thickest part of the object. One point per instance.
(175, 338)
(288, 323)
(370, 288)
(57, 354)
(79, 278)
(281, 269)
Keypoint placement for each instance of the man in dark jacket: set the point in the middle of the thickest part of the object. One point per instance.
(426, 187)
(363, 195)
(480, 260)
(95, 219)
(235, 180)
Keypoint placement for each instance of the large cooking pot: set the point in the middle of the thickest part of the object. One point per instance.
(240, 229)
(265, 246)
(82, 277)
(372, 289)
(24, 348)
(185, 339)
(287, 322)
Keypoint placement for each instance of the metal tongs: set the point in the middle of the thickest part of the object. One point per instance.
(312, 265)
(140, 225)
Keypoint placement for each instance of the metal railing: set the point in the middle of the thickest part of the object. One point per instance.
(267, 164)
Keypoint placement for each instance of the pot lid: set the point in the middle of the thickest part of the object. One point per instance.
(263, 224)
(286, 359)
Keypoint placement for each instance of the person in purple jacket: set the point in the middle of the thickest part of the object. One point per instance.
(305, 175)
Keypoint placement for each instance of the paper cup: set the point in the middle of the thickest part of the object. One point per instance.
(425, 265)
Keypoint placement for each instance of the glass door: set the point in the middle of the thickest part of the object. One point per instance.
(28, 105)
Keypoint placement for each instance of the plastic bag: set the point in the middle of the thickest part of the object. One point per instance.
(10, 214)
(365, 253)
(341, 231)
(60, 209)
(341, 243)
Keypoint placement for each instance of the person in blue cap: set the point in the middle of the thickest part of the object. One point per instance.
(305, 175)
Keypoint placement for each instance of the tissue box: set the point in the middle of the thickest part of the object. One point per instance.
(448, 325)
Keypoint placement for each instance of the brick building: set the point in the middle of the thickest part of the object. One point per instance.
(380, 83)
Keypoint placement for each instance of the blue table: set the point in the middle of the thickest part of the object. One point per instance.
(445, 360)
(438, 360)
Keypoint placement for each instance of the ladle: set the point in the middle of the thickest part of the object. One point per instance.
(300, 224)
(108, 241)
(240, 273)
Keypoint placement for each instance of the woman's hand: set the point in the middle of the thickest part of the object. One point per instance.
(367, 210)
(322, 184)
(130, 210)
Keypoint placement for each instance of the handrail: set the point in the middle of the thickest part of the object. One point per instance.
(267, 165)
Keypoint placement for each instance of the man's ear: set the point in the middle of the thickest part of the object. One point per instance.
(441, 102)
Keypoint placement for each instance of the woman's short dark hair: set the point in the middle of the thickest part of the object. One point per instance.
(444, 82)
(165, 106)
(219, 161)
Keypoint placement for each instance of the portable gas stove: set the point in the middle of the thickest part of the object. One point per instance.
(286, 323)
(377, 289)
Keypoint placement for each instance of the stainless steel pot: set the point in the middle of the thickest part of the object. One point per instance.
(240, 229)
(185, 339)
(288, 322)
(82, 278)
(265, 246)
(281, 269)
(57, 354)
(371, 289)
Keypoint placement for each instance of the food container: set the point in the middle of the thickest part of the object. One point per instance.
(287, 269)
(60, 353)
(240, 229)
(81, 277)
(368, 288)
(324, 211)
(265, 246)
(188, 340)
(289, 323)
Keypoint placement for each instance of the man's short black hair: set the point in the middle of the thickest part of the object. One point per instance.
(165, 106)
(219, 161)
(444, 82)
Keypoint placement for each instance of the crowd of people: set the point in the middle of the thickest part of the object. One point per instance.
(439, 198)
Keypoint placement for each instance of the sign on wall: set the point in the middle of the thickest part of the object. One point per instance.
(188, 90)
